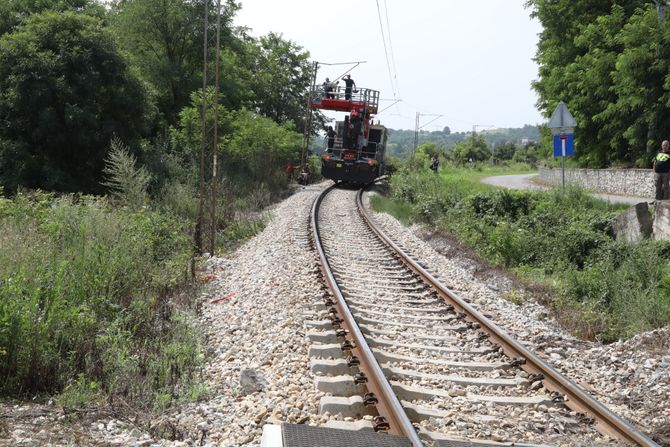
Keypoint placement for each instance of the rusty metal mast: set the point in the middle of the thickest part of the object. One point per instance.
(210, 126)
(308, 118)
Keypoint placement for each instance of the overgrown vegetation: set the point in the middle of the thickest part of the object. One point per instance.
(86, 302)
(603, 288)
(93, 289)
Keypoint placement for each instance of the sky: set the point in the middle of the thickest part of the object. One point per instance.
(467, 60)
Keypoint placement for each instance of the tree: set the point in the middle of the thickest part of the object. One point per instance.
(14, 12)
(254, 149)
(473, 150)
(65, 91)
(127, 182)
(425, 151)
(608, 62)
(526, 154)
(639, 82)
(259, 149)
(282, 76)
(164, 40)
(562, 22)
(504, 151)
(590, 90)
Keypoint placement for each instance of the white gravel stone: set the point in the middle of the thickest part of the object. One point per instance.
(632, 378)
(253, 314)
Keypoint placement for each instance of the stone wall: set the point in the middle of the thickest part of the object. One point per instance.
(637, 223)
(629, 182)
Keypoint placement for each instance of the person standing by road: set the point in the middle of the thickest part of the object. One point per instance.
(662, 172)
(435, 163)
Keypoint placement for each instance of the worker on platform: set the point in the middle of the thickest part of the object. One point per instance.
(328, 88)
(348, 85)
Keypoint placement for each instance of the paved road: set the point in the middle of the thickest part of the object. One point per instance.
(525, 181)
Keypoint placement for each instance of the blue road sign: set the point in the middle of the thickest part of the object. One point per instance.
(569, 144)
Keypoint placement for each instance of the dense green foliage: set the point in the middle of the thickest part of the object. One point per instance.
(14, 12)
(609, 62)
(473, 150)
(255, 150)
(618, 289)
(281, 83)
(83, 300)
(105, 97)
(163, 40)
(401, 142)
(76, 73)
(64, 92)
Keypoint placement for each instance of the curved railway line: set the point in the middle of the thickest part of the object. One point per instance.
(398, 351)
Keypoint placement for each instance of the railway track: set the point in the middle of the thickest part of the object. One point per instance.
(399, 352)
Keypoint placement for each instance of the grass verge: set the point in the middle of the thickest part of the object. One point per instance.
(87, 303)
(603, 289)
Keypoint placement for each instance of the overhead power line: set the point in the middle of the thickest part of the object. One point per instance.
(388, 63)
(388, 31)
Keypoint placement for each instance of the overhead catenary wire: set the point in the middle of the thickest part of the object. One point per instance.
(388, 31)
(431, 121)
(343, 63)
(354, 63)
(388, 107)
(388, 63)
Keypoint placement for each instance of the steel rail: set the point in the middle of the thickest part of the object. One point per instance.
(577, 399)
(388, 404)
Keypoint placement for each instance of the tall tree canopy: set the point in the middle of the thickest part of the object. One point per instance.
(64, 92)
(609, 61)
(164, 41)
(76, 73)
(283, 74)
(14, 12)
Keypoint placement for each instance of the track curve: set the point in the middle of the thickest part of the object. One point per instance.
(424, 351)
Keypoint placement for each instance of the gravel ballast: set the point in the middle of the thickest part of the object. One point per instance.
(257, 372)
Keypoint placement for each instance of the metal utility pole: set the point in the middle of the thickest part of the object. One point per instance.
(215, 127)
(308, 118)
(416, 133)
(418, 127)
(209, 136)
(203, 141)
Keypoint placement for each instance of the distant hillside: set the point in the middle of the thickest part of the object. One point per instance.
(401, 142)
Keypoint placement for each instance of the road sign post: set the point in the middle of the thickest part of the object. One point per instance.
(563, 162)
(562, 125)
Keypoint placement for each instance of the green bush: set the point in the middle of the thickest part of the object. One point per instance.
(615, 289)
(84, 297)
(628, 285)
(241, 229)
(127, 182)
(401, 210)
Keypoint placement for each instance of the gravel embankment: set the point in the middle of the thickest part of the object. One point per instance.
(257, 364)
(258, 369)
(632, 378)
